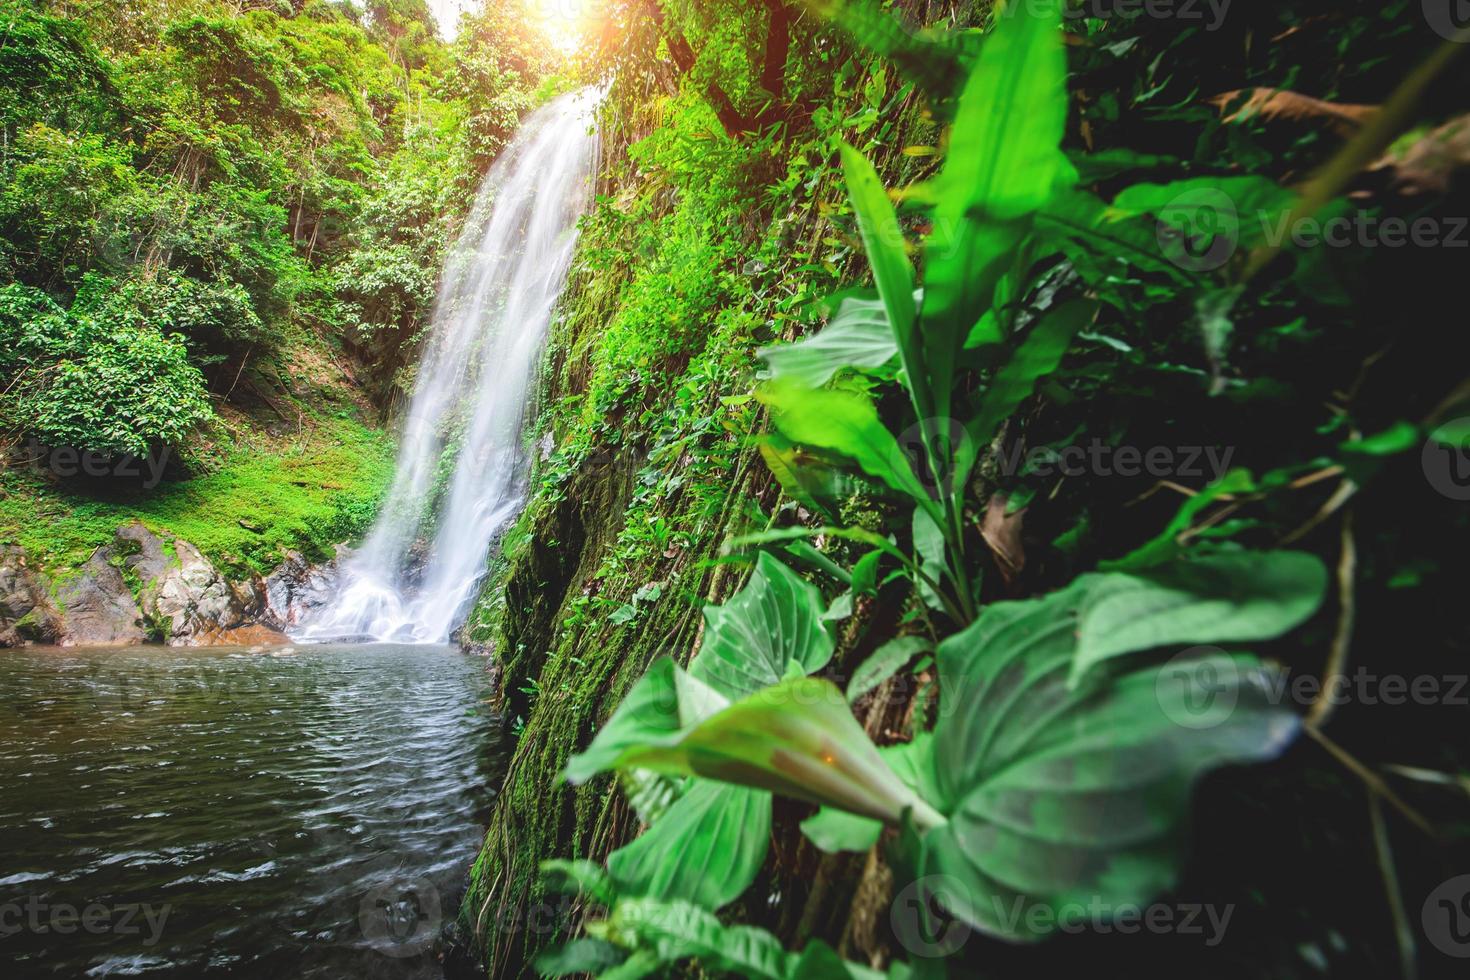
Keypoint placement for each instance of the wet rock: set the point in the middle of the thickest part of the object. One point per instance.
(186, 597)
(27, 614)
(295, 588)
(98, 606)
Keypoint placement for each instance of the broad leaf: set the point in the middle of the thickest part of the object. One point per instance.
(858, 336)
(654, 711)
(843, 423)
(705, 849)
(1059, 794)
(797, 738)
(1226, 598)
(1003, 163)
(752, 641)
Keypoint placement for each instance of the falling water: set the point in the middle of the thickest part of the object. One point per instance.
(461, 464)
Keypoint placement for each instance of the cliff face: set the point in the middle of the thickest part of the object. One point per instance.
(647, 466)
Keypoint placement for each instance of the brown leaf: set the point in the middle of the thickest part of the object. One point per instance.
(1283, 106)
(1427, 165)
(1002, 532)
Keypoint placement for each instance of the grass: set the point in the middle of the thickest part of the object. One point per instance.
(257, 500)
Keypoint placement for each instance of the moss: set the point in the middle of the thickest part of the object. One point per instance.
(257, 501)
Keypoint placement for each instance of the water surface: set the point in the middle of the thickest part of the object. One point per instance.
(196, 813)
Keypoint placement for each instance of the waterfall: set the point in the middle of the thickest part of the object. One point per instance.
(462, 465)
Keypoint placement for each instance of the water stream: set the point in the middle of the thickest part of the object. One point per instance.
(461, 466)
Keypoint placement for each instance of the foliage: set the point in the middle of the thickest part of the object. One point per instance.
(1028, 295)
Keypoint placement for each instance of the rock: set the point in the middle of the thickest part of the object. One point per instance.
(187, 596)
(98, 606)
(295, 588)
(252, 635)
(27, 614)
(181, 597)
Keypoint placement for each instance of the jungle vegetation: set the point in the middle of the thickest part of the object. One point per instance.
(979, 441)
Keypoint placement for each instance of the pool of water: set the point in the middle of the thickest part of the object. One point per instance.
(170, 812)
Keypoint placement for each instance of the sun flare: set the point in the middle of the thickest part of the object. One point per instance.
(563, 22)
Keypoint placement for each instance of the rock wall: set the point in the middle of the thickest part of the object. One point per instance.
(142, 588)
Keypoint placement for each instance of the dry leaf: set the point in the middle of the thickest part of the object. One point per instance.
(1002, 532)
(1280, 105)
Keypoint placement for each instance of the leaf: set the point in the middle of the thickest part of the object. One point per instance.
(706, 849)
(584, 955)
(577, 877)
(884, 662)
(1037, 356)
(1003, 163)
(1165, 546)
(835, 831)
(894, 276)
(675, 931)
(1058, 793)
(751, 641)
(857, 337)
(929, 546)
(807, 482)
(884, 243)
(1226, 598)
(664, 699)
(843, 423)
(797, 738)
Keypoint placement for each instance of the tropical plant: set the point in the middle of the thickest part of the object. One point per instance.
(1071, 727)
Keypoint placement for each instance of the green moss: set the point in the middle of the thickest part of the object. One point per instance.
(254, 504)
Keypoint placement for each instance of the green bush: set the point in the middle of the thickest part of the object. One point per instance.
(130, 393)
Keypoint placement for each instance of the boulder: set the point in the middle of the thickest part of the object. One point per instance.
(98, 607)
(295, 588)
(27, 612)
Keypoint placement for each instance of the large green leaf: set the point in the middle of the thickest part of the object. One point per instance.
(655, 711)
(1061, 794)
(883, 241)
(843, 423)
(1226, 598)
(1003, 163)
(858, 336)
(798, 739)
(770, 626)
(706, 848)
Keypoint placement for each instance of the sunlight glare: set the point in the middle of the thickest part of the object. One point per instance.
(564, 22)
